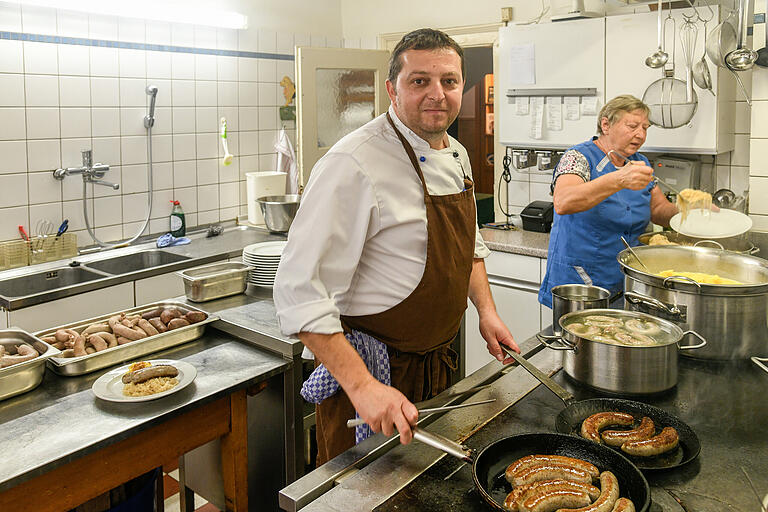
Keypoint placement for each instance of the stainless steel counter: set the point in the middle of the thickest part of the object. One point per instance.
(725, 404)
(62, 420)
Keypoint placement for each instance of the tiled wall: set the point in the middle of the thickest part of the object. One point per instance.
(758, 149)
(65, 93)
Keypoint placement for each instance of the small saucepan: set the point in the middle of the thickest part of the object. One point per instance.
(644, 362)
(567, 298)
(490, 463)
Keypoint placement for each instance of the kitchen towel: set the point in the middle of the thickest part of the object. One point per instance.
(321, 384)
(168, 240)
(286, 162)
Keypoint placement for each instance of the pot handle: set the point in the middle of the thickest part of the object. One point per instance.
(716, 244)
(546, 341)
(753, 250)
(638, 298)
(692, 347)
(683, 279)
(444, 444)
(759, 361)
(542, 377)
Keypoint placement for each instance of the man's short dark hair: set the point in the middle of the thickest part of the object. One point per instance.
(422, 39)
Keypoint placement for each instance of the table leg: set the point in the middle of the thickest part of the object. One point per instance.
(234, 455)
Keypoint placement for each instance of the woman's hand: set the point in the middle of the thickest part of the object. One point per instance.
(634, 176)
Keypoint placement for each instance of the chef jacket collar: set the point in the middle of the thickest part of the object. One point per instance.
(419, 144)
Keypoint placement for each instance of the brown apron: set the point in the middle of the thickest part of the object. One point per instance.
(418, 330)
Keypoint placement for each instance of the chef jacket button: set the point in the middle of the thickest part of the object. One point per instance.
(422, 159)
(626, 233)
(627, 208)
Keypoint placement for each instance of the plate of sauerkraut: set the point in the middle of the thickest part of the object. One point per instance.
(144, 380)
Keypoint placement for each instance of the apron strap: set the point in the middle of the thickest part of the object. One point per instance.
(411, 154)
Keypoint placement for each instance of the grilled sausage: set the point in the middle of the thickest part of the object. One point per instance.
(195, 316)
(645, 430)
(151, 314)
(590, 427)
(59, 345)
(131, 321)
(64, 335)
(94, 328)
(520, 494)
(90, 350)
(175, 323)
(98, 342)
(609, 493)
(554, 499)
(123, 341)
(667, 440)
(623, 505)
(169, 314)
(150, 372)
(50, 339)
(535, 460)
(110, 338)
(124, 331)
(158, 324)
(147, 327)
(550, 471)
(24, 352)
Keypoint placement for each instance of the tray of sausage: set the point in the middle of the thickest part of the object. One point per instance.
(107, 340)
(22, 361)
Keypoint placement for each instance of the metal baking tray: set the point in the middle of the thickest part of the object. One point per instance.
(215, 281)
(23, 377)
(72, 366)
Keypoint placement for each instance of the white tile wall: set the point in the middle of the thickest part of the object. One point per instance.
(57, 99)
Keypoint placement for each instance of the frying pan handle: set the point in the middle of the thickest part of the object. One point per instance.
(546, 341)
(638, 298)
(553, 386)
(692, 347)
(444, 444)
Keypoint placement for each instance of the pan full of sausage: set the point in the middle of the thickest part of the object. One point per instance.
(22, 361)
(108, 340)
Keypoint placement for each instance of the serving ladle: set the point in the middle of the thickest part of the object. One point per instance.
(658, 58)
(742, 58)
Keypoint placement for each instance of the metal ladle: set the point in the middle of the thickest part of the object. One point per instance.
(635, 255)
(742, 58)
(658, 58)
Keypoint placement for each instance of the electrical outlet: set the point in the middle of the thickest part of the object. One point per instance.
(506, 14)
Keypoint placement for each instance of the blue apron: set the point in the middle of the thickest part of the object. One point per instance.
(590, 239)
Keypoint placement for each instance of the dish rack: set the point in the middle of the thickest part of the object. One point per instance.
(13, 254)
(51, 248)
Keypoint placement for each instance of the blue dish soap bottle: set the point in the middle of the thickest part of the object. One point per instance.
(178, 225)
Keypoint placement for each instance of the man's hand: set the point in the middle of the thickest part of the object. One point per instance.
(385, 409)
(634, 175)
(494, 331)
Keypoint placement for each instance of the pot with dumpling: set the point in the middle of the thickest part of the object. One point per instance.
(721, 295)
(621, 351)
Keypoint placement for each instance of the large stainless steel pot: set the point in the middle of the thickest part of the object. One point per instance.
(733, 318)
(623, 369)
(738, 244)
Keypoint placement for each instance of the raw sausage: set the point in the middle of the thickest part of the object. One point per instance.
(123, 341)
(590, 427)
(152, 314)
(110, 338)
(535, 460)
(23, 353)
(94, 328)
(549, 501)
(98, 342)
(665, 441)
(609, 493)
(176, 323)
(158, 324)
(551, 471)
(79, 346)
(645, 430)
(623, 505)
(150, 372)
(169, 314)
(195, 316)
(50, 339)
(520, 494)
(147, 327)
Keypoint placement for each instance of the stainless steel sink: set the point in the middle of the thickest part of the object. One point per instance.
(136, 261)
(46, 281)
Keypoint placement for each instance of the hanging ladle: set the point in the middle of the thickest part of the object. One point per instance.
(658, 58)
(742, 58)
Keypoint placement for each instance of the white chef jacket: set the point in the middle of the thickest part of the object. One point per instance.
(358, 244)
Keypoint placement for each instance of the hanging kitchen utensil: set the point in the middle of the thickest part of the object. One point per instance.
(688, 35)
(742, 58)
(700, 71)
(762, 53)
(721, 41)
(658, 58)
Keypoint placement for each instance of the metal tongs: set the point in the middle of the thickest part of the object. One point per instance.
(360, 421)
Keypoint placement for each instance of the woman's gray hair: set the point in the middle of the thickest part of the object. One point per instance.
(617, 107)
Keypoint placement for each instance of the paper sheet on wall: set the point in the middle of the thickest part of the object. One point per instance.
(537, 119)
(589, 105)
(521, 106)
(522, 65)
(571, 108)
(554, 113)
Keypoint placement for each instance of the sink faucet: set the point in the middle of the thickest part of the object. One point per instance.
(92, 173)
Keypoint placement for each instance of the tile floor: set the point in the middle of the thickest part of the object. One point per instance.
(171, 492)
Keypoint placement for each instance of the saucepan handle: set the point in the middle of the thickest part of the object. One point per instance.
(683, 279)
(692, 347)
(638, 298)
(444, 444)
(547, 340)
(553, 386)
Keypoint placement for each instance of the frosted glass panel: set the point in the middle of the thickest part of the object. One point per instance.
(345, 101)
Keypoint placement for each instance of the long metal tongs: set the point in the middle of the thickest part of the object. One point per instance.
(359, 421)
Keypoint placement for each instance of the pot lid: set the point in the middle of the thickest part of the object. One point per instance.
(618, 327)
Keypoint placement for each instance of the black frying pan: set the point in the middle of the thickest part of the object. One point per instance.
(569, 420)
(489, 465)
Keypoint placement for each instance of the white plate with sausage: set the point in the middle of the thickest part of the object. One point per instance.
(110, 386)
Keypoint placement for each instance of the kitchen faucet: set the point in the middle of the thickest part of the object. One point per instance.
(92, 173)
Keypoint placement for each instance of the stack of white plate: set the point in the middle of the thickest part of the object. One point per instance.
(264, 257)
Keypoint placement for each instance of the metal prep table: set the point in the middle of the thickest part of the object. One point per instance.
(725, 403)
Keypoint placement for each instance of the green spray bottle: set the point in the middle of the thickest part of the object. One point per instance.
(178, 225)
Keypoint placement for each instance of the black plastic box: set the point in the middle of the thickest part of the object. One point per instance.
(537, 216)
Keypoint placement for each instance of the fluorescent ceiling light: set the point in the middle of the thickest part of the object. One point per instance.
(147, 10)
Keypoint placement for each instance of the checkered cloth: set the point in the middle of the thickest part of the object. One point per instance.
(321, 384)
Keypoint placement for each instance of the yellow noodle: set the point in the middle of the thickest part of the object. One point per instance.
(690, 199)
(700, 277)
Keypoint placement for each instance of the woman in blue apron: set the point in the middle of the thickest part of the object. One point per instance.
(602, 190)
